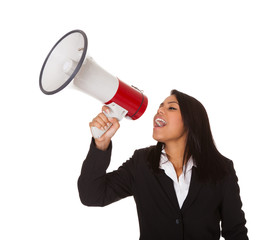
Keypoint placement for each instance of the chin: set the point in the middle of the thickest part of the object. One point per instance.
(157, 137)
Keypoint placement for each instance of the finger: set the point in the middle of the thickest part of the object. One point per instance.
(96, 124)
(110, 131)
(103, 117)
(101, 122)
(100, 125)
(106, 110)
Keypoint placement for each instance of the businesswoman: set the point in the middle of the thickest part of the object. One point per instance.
(183, 187)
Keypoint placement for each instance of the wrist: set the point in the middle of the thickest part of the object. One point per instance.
(102, 145)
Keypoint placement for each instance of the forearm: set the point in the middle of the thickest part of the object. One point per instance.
(98, 188)
(91, 183)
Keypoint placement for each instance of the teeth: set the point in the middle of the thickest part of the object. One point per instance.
(160, 122)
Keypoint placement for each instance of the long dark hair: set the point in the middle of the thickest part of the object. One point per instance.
(210, 163)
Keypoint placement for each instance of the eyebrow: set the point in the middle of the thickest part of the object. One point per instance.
(173, 102)
(169, 103)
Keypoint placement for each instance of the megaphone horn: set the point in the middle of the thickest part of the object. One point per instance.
(67, 61)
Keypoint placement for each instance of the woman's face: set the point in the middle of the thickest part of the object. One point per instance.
(167, 124)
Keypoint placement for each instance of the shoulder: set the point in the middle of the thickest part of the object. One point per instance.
(141, 155)
(143, 152)
(230, 173)
(230, 169)
(219, 171)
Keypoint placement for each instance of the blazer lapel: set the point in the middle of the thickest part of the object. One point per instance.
(167, 186)
(194, 189)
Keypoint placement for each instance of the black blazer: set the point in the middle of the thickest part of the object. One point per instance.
(160, 218)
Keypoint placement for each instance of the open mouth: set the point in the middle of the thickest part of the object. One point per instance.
(159, 122)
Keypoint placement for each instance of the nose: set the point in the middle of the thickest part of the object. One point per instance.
(160, 110)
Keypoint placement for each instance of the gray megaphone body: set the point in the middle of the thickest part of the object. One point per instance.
(68, 62)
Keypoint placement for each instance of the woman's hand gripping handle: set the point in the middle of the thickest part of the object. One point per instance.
(105, 124)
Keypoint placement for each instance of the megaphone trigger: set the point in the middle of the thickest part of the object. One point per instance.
(116, 111)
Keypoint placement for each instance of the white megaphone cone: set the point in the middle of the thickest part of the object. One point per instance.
(67, 60)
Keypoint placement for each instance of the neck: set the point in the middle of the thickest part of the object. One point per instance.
(175, 152)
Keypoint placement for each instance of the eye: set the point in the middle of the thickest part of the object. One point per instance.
(172, 108)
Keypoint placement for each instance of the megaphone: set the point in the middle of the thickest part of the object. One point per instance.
(68, 62)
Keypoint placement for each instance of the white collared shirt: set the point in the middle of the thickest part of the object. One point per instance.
(181, 185)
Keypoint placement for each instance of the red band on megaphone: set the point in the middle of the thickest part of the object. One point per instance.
(131, 99)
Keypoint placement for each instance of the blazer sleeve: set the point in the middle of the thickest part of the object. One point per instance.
(233, 217)
(98, 188)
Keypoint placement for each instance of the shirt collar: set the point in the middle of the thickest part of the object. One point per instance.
(164, 159)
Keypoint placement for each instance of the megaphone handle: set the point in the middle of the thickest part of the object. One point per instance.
(116, 111)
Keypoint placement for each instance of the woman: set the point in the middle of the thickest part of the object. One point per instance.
(183, 187)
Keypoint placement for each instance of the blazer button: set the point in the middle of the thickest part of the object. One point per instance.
(178, 221)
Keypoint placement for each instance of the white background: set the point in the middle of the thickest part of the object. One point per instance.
(212, 50)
